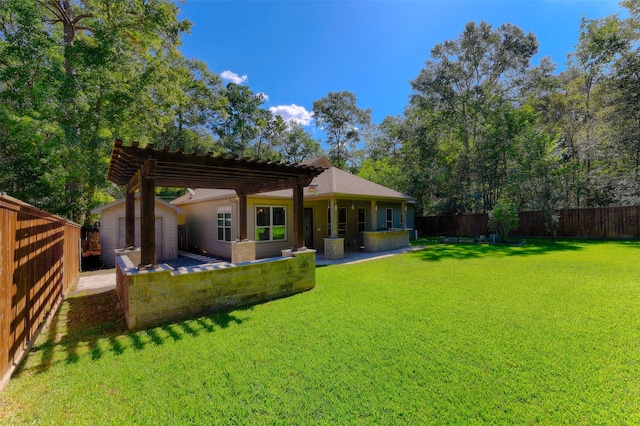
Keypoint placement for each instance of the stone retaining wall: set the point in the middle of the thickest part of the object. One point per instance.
(153, 297)
(385, 240)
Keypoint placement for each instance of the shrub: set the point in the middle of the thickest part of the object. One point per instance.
(503, 218)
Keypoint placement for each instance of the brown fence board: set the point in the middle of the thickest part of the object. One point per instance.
(39, 262)
(600, 222)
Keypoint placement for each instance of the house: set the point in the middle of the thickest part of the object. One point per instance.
(112, 228)
(340, 210)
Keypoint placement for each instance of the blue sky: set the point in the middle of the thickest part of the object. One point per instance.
(296, 52)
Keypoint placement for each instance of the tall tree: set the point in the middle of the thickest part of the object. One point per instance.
(98, 70)
(384, 154)
(339, 116)
(468, 90)
(299, 145)
(240, 124)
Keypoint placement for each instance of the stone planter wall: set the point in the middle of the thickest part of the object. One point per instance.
(385, 240)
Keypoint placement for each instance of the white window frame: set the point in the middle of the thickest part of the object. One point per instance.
(362, 225)
(227, 223)
(389, 222)
(270, 227)
(342, 226)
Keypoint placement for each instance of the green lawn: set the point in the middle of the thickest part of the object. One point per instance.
(452, 334)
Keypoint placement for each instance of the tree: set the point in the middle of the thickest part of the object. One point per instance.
(503, 218)
(271, 135)
(339, 116)
(74, 75)
(198, 106)
(384, 155)
(239, 126)
(467, 91)
(299, 145)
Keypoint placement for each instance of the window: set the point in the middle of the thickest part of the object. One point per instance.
(342, 221)
(362, 222)
(271, 223)
(224, 223)
(389, 218)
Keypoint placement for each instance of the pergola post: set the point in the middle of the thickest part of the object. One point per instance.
(148, 216)
(130, 219)
(374, 215)
(298, 217)
(242, 214)
(334, 218)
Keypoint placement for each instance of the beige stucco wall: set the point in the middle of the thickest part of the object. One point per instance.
(202, 226)
(266, 249)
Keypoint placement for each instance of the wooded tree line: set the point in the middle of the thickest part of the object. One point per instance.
(482, 124)
(77, 74)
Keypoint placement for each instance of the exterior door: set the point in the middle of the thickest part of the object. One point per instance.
(308, 227)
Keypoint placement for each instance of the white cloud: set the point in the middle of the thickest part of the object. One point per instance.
(293, 112)
(263, 96)
(233, 77)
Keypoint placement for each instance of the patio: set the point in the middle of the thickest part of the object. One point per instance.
(101, 281)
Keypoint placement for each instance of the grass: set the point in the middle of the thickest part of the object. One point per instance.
(454, 334)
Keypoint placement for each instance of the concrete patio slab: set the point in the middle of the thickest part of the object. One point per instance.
(351, 257)
(95, 282)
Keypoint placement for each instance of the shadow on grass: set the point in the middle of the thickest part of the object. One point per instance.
(90, 326)
(439, 252)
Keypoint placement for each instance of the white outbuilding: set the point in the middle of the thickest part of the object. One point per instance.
(112, 228)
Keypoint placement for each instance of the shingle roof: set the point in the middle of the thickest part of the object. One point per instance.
(100, 209)
(331, 182)
(336, 181)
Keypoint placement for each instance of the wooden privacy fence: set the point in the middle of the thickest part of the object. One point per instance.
(39, 261)
(599, 222)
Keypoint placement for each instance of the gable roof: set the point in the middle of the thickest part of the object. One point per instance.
(335, 181)
(331, 182)
(99, 210)
(203, 194)
(318, 162)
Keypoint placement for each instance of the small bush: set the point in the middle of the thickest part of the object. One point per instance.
(503, 218)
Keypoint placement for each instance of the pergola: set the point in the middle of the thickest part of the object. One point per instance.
(146, 168)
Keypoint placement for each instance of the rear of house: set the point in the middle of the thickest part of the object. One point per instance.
(337, 205)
